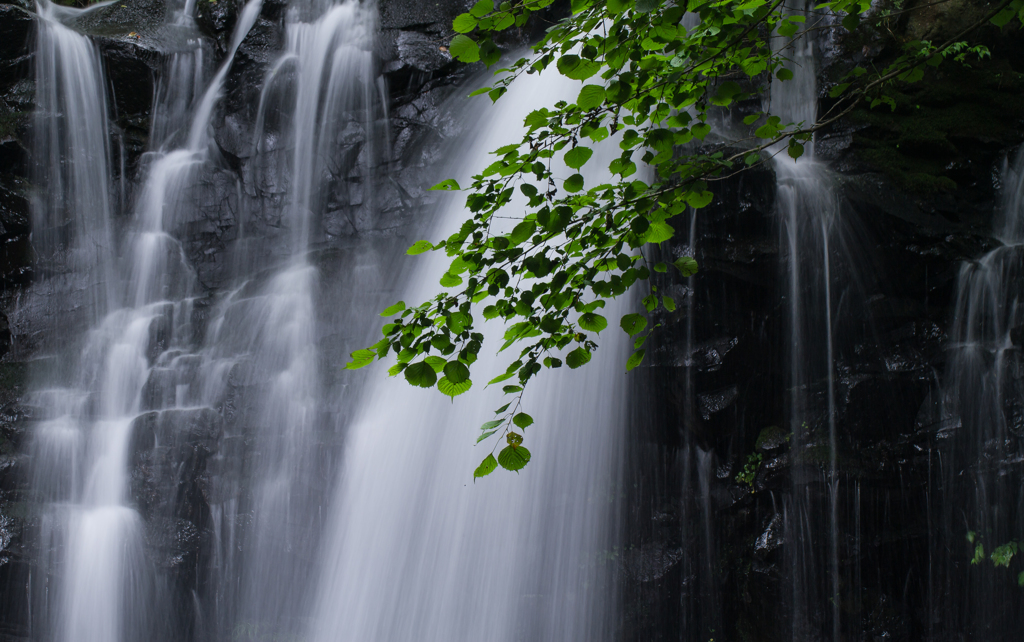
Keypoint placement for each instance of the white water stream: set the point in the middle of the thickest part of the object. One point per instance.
(415, 549)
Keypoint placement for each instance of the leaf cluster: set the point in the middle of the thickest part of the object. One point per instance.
(649, 86)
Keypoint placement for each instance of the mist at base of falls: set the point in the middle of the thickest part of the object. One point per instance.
(833, 407)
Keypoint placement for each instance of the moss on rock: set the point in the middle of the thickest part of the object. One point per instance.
(940, 123)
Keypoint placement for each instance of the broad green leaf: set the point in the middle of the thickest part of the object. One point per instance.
(456, 371)
(452, 389)
(437, 363)
(726, 93)
(687, 265)
(393, 310)
(572, 66)
(464, 23)
(457, 322)
(394, 370)
(463, 49)
(669, 303)
(658, 232)
(697, 200)
(485, 436)
(574, 183)
(419, 247)
(449, 280)
(450, 185)
(577, 157)
(578, 357)
(511, 390)
(361, 358)
(591, 96)
(593, 322)
(486, 467)
(513, 457)
(522, 420)
(633, 323)
(482, 8)
(634, 360)
(795, 149)
(491, 425)
(522, 232)
(421, 374)
(504, 22)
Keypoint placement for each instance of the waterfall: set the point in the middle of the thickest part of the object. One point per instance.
(808, 209)
(984, 407)
(72, 208)
(90, 418)
(415, 550)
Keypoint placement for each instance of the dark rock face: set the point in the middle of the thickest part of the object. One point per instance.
(714, 474)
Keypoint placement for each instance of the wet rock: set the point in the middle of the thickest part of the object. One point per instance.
(420, 52)
(652, 562)
(438, 14)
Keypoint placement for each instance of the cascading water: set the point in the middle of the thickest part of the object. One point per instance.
(416, 551)
(808, 209)
(91, 416)
(72, 209)
(984, 410)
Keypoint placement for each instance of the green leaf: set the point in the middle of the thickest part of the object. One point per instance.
(464, 23)
(482, 8)
(669, 303)
(485, 436)
(634, 360)
(361, 358)
(522, 420)
(419, 247)
(1020, 579)
(660, 267)
(448, 387)
(577, 157)
(697, 200)
(633, 324)
(421, 374)
(574, 183)
(659, 232)
(513, 457)
(491, 425)
(437, 363)
(395, 369)
(449, 280)
(509, 390)
(591, 96)
(463, 49)
(687, 265)
(486, 467)
(795, 150)
(725, 93)
(572, 66)
(593, 322)
(1002, 18)
(393, 310)
(451, 185)
(456, 371)
(522, 232)
(578, 357)
(782, 74)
